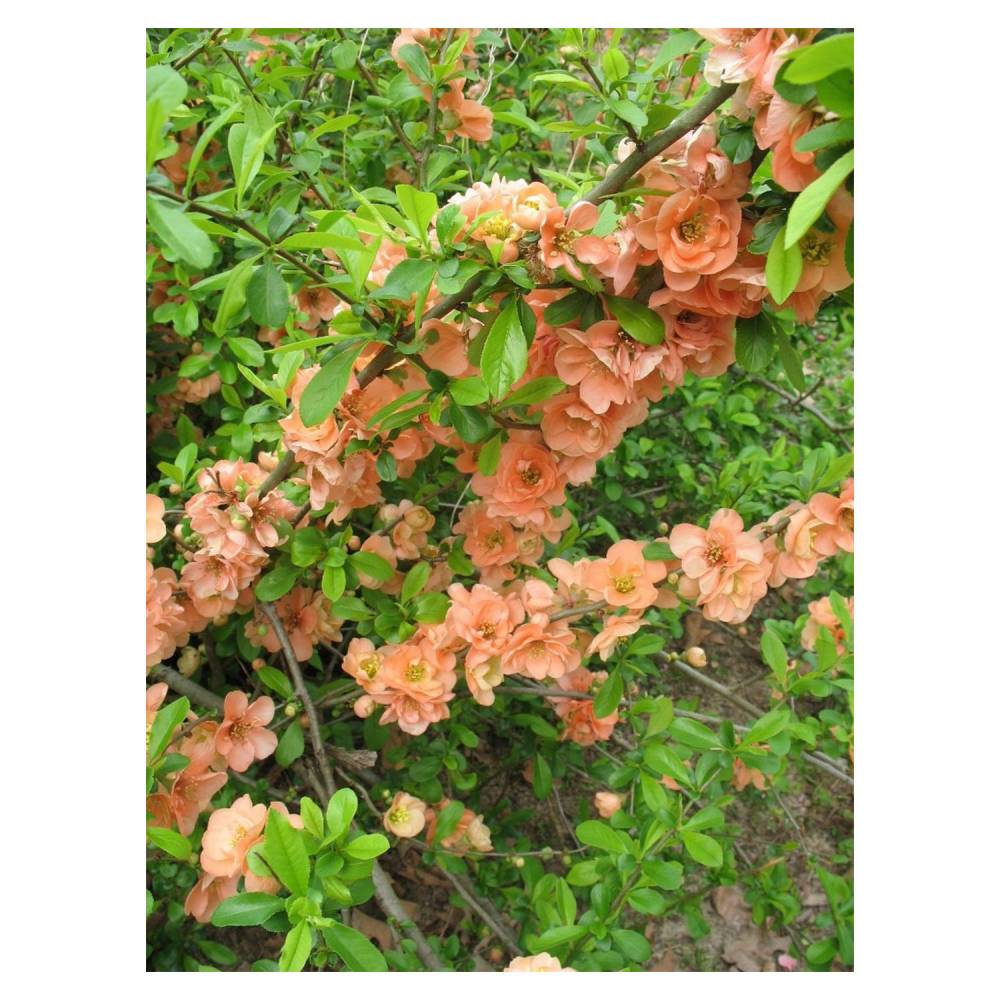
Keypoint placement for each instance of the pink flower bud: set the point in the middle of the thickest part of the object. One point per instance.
(695, 656)
(364, 706)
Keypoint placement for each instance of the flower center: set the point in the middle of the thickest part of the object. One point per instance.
(399, 815)
(537, 649)
(370, 665)
(494, 539)
(847, 518)
(487, 630)
(499, 226)
(815, 249)
(238, 835)
(564, 241)
(239, 730)
(416, 671)
(624, 584)
(692, 229)
(530, 475)
(713, 553)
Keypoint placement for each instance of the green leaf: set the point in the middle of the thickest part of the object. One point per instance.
(295, 951)
(291, 745)
(767, 726)
(168, 718)
(407, 279)
(217, 953)
(247, 909)
(319, 240)
(246, 350)
(285, 853)
(630, 112)
(830, 134)
(489, 456)
(609, 696)
(337, 124)
(638, 321)
(333, 583)
(372, 565)
(415, 60)
(356, 951)
(566, 309)
(541, 779)
(809, 204)
(647, 901)
(469, 391)
(704, 849)
(274, 585)
(267, 296)
(535, 391)
(661, 759)
(419, 207)
(448, 820)
(171, 841)
(275, 680)
(661, 717)
(179, 234)
(657, 551)
(694, 734)
(556, 936)
(775, 656)
(327, 386)
(340, 810)
(754, 342)
(594, 833)
(816, 62)
(667, 875)
(505, 351)
(615, 65)
(414, 581)
(312, 816)
(783, 268)
(631, 944)
(368, 845)
(790, 360)
(233, 295)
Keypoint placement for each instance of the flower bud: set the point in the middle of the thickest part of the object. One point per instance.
(419, 519)
(495, 955)
(743, 630)
(567, 861)
(189, 661)
(673, 579)
(262, 630)
(364, 706)
(257, 663)
(607, 804)
(267, 461)
(354, 544)
(238, 520)
(695, 656)
(173, 489)
(197, 348)
(219, 620)
(517, 862)
(663, 528)
(432, 551)
(290, 709)
(178, 532)
(304, 720)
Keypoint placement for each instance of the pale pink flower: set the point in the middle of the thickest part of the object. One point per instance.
(563, 240)
(607, 804)
(822, 615)
(210, 890)
(540, 649)
(231, 832)
(625, 578)
(837, 517)
(483, 618)
(406, 816)
(542, 962)
(616, 629)
(155, 528)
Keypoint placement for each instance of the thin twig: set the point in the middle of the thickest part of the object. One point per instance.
(467, 893)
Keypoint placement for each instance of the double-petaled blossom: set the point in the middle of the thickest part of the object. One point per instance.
(822, 615)
(617, 628)
(778, 128)
(418, 680)
(243, 736)
(366, 665)
(542, 962)
(540, 648)
(230, 516)
(526, 484)
(483, 618)
(488, 541)
(724, 567)
(836, 515)
(214, 582)
(230, 834)
(166, 627)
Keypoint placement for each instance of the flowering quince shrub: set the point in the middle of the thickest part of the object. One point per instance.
(461, 350)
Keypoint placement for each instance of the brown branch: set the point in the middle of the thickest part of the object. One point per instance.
(493, 921)
(194, 692)
(578, 611)
(181, 63)
(645, 151)
(802, 402)
(315, 737)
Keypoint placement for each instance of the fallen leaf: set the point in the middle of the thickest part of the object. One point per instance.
(754, 950)
(668, 962)
(730, 905)
(373, 928)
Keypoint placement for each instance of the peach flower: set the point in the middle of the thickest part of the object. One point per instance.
(471, 833)
(210, 890)
(723, 566)
(582, 726)
(364, 663)
(822, 615)
(616, 629)
(489, 541)
(419, 678)
(483, 618)
(155, 528)
(539, 649)
(693, 234)
(527, 482)
(231, 832)
(542, 962)
(462, 116)
(607, 804)
(563, 242)
(166, 628)
(214, 583)
(243, 736)
(300, 619)
(744, 775)
(406, 816)
(446, 349)
(595, 362)
(190, 794)
(836, 515)
(778, 128)
(318, 304)
(625, 579)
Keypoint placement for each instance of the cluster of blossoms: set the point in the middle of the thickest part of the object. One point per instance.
(726, 570)
(408, 816)
(460, 114)
(211, 748)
